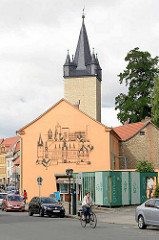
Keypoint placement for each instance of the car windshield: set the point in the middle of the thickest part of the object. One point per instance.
(48, 200)
(2, 196)
(15, 198)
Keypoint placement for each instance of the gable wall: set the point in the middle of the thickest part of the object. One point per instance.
(69, 117)
(140, 148)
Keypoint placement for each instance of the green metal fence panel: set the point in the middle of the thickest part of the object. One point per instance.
(116, 188)
(106, 194)
(88, 184)
(125, 188)
(99, 188)
(143, 187)
(135, 188)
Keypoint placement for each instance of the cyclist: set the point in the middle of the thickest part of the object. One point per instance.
(86, 204)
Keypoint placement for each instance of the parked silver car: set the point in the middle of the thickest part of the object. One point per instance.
(2, 195)
(10, 189)
(148, 213)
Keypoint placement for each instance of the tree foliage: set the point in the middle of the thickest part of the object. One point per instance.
(139, 77)
(144, 166)
(155, 103)
(156, 193)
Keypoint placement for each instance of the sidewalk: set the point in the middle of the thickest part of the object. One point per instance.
(119, 215)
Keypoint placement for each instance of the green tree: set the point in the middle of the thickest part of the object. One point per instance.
(139, 77)
(155, 103)
(156, 193)
(144, 166)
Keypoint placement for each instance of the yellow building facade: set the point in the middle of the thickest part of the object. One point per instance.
(2, 167)
(64, 137)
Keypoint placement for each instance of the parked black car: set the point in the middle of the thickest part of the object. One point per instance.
(46, 206)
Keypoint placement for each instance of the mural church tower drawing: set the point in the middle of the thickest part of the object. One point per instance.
(82, 77)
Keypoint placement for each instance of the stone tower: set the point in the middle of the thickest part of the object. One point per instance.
(82, 78)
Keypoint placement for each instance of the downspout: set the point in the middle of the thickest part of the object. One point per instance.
(125, 160)
(111, 153)
(21, 189)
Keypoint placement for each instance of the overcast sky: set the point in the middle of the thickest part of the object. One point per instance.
(35, 36)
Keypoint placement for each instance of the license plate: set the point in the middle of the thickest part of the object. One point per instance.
(56, 210)
(16, 207)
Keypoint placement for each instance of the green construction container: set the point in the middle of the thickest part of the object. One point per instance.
(116, 188)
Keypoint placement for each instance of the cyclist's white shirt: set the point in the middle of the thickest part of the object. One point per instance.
(87, 200)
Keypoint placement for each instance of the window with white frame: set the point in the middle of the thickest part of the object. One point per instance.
(63, 188)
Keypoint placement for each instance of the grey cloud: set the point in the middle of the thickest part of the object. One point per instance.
(34, 37)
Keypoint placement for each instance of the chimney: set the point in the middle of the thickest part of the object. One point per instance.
(77, 104)
(147, 118)
(125, 123)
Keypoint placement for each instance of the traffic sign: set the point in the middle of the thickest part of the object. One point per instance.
(39, 180)
(79, 178)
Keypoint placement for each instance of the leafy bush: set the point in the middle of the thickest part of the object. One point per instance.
(156, 193)
(144, 166)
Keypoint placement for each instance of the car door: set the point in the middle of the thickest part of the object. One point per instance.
(156, 213)
(37, 204)
(3, 202)
(148, 211)
(31, 205)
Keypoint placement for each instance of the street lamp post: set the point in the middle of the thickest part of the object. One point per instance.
(69, 173)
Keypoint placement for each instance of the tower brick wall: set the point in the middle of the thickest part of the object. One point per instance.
(86, 91)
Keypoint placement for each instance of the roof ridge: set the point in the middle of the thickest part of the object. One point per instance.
(36, 119)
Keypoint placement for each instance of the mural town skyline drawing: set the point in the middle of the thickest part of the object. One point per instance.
(64, 146)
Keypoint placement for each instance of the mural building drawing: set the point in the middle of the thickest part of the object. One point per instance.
(64, 146)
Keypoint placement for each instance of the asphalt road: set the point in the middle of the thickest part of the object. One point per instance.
(19, 226)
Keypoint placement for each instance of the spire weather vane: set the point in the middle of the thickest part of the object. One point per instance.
(83, 15)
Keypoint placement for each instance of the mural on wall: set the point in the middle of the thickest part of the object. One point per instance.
(63, 146)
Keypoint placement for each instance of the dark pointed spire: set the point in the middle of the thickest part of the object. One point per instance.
(83, 62)
(67, 62)
(82, 55)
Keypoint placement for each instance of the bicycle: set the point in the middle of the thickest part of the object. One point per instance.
(89, 219)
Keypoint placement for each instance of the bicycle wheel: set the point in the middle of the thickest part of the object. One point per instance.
(83, 221)
(93, 220)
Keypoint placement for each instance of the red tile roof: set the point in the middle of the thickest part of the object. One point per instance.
(128, 130)
(10, 141)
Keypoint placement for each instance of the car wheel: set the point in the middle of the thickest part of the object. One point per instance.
(30, 212)
(50, 215)
(41, 212)
(62, 215)
(141, 223)
(2, 209)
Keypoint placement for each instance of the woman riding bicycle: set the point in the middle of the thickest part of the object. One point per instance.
(86, 204)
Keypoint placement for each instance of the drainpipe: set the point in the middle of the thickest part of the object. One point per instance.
(111, 154)
(125, 160)
(21, 189)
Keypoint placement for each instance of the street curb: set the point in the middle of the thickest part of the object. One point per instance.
(76, 217)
